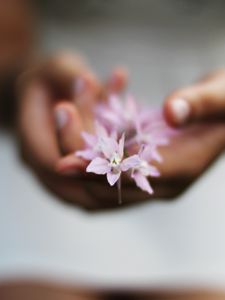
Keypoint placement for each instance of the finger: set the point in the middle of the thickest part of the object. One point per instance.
(198, 145)
(37, 126)
(86, 90)
(87, 93)
(61, 72)
(68, 125)
(205, 100)
(117, 81)
(70, 165)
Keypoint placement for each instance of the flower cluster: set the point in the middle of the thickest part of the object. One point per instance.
(126, 139)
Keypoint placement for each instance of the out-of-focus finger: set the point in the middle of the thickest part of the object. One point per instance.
(198, 145)
(70, 165)
(87, 93)
(202, 101)
(58, 72)
(61, 71)
(36, 126)
(117, 81)
(69, 125)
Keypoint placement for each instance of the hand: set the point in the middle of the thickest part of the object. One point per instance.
(55, 104)
(189, 154)
(200, 111)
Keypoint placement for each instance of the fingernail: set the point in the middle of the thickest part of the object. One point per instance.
(61, 117)
(181, 110)
(80, 86)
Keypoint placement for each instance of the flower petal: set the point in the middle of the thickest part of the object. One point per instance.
(113, 177)
(115, 104)
(108, 116)
(156, 156)
(98, 166)
(142, 182)
(130, 162)
(100, 130)
(114, 134)
(153, 171)
(131, 106)
(87, 154)
(149, 153)
(89, 139)
(121, 145)
(108, 146)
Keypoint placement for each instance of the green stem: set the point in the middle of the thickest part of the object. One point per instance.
(119, 191)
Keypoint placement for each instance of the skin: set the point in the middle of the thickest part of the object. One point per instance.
(49, 149)
(48, 86)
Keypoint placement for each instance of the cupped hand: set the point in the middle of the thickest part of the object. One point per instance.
(56, 99)
(200, 141)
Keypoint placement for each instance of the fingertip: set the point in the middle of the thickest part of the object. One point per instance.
(61, 116)
(85, 84)
(66, 113)
(177, 111)
(69, 126)
(118, 79)
(70, 165)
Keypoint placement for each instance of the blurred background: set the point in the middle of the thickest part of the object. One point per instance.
(164, 45)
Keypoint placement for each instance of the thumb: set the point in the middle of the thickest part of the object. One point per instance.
(202, 101)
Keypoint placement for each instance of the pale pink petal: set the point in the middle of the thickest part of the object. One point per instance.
(87, 154)
(107, 116)
(114, 134)
(143, 116)
(146, 152)
(111, 117)
(113, 177)
(156, 156)
(160, 140)
(142, 182)
(131, 106)
(153, 171)
(149, 153)
(98, 166)
(115, 104)
(130, 162)
(121, 145)
(89, 139)
(108, 146)
(100, 130)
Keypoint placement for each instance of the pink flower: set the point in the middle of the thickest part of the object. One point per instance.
(144, 169)
(112, 163)
(142, 125)
(117, 113)
(145, 129)
(152, 131)
(93, 142)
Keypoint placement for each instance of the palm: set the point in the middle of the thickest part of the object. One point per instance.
(187, 156)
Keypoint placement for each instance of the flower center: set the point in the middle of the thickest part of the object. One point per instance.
(115, 160)
(115, 163)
